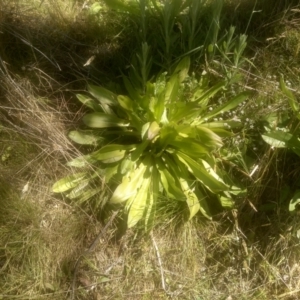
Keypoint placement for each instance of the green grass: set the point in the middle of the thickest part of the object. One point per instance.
(251, 252)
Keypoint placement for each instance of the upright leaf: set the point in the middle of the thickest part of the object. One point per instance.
(291, 98)
(191, 198)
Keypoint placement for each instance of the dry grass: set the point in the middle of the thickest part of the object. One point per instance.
(252, 253)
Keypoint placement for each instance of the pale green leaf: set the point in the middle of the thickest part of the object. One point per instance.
(68, 182)
(191, 198)
(78, 190)
(88, 194)
(110, 172)
(140, 150)
(138, 204)
(87, 101)
(211, 171)
(226, 202)
(81, 161)
(232, 103)
(153, 130)
(189, 146)
(202, 96)
(202, 174)
(112, 153)
(204, 208)
(102, 120)
(182, 68)
(126, 103)
(130, 184)
(103, 95)
(126, 166)
(169, 182)
(84, 137)
(291, 98)
(171, 93)
(277, 139)
(152, 196)
(294, 201)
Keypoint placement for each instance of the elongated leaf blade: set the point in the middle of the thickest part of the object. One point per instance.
(171, 93)
(81, 161)
(126, 103)
(234, 102)
(169, 182)
(130, 185)
(87, 101)
(68, 182)
(112, 153)
(153, 195)
(88, 194)
(78, 190)
(190, 147)
(103, 95)
(102, 120)
(201, 96)
(291, 98)
(202, 174)
(277, 139)
(138, 205)
(183, 68)
(191, 198)
(84, 137)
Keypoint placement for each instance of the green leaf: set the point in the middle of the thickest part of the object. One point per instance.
(110, 172)
(78, 190)
(102, 120)
(103, 95)
(208, 137)
(182, 68)
(131, 90)
(234, 102)
(226, 202)
(84, 137)
(139, 151)
(171, 93)
(88, 194)
(294, 201)
(277, 139)
(191, 198)
(130, 185)
(153, 194)
(112, 153)
(291, 98)
(183, 111)
(204, 208)
(202, 174)
(169, 182)
(153, 130)
(189, 146)
(227, 124)
(126, 166)
(126, 103)
(68, 182)
(87, 101)
(138, 204)
(201, 96)
(81, 161)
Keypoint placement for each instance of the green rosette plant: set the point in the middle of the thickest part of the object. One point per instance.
(164, 141)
